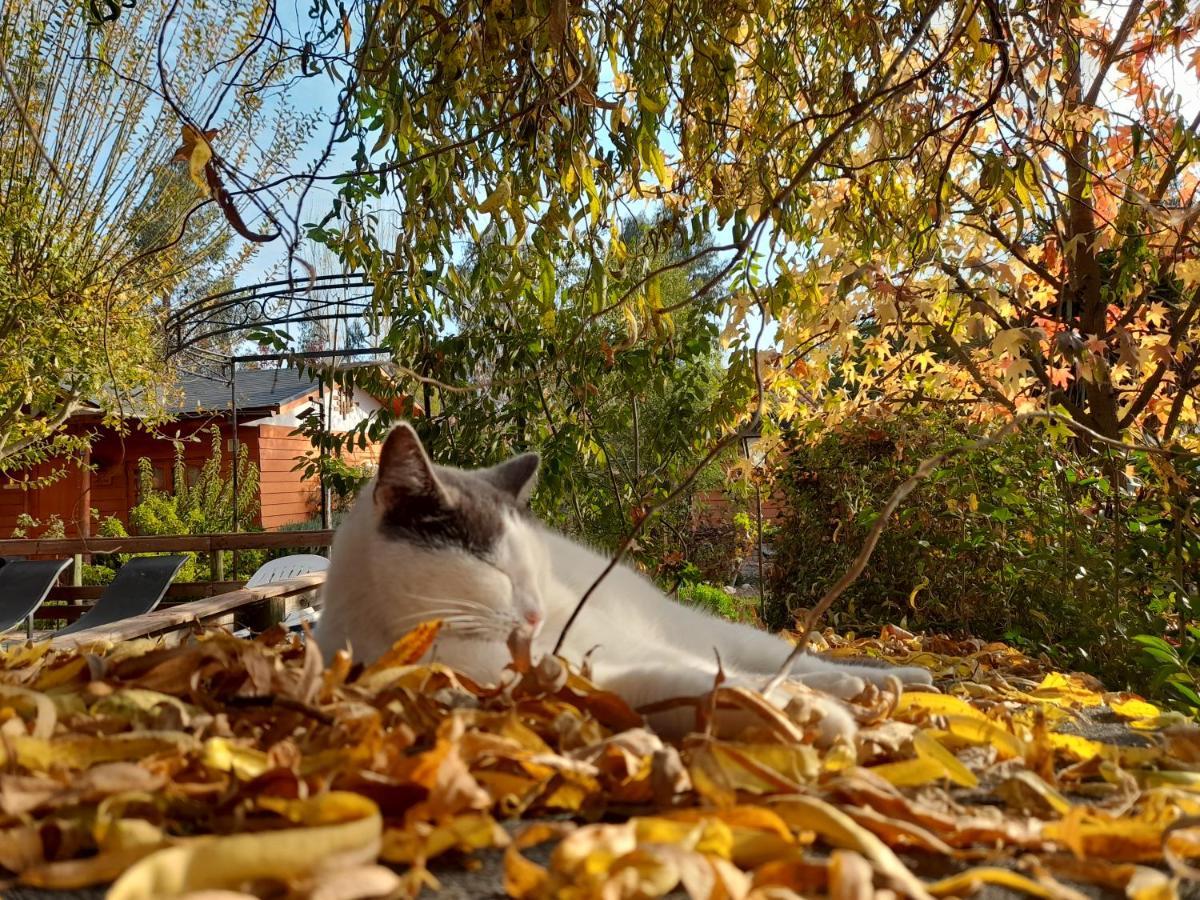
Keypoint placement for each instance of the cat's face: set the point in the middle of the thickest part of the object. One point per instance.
(462, 544)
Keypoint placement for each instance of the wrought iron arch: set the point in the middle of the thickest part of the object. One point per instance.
(223, 318)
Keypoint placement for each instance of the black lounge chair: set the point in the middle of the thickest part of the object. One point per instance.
(138, 588)
(24, 584)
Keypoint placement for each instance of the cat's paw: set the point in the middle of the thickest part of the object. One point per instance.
(839, 684)
(811, 705)
(843, 676)
(880, 675)
(836, 722)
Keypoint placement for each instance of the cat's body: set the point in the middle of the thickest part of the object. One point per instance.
(425, 542)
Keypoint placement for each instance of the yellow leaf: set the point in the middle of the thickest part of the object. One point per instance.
(1088, 833)
(19, 656)
(82, 752)
(1188, 272)
(1134, 708)
(955, 770)
(1150, 884)
(966, 883)
(339, 824)
(32, 703)
(1025, 786)
(1074, 745)
(653, 157)
(974, 30)
(650, 104)
(721, 769)
(125, 834)
(909, 772)
(225, 756)
(1172, 718)
(73, 874)
(839, 830)
(983, 731)
(498, 199)
(914, 702)
(60, 675)
(933, 763)
(756, 835)
(198, 152)
(523, 878)
(423, 841)
(128, 703)
(1066, 689)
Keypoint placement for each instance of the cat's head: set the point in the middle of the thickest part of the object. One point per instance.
(462, 544)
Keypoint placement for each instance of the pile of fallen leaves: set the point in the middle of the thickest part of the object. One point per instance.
(241, 765)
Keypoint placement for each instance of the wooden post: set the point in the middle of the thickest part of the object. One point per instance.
(85, 518)
(77, 570)
(233, 463)
(216, 566)
(265, 613)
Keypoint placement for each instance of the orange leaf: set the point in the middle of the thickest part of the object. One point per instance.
(1060, 376)
(409, 649)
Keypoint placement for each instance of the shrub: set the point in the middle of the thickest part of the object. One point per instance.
(55, 527)
(203, 507)
(343, 480)
(717, 551)
(1056, 551)
(715, 600)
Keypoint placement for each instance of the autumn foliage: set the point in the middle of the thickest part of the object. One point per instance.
(248, 765)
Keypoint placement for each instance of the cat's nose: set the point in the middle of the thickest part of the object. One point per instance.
(533, 617)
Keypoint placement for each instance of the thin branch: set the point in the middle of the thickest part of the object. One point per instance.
(15, 98)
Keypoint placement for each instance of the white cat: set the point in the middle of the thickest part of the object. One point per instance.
(425, 541)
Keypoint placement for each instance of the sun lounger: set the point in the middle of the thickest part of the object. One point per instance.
(24, 584)
(138, 588)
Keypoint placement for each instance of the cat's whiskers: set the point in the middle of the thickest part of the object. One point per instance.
(447, 602)
(461, 618)
(446, 617)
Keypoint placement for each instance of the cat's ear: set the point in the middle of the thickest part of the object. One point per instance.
(516, 476)
(405, 471)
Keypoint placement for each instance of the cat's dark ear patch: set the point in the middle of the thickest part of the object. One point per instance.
(405, 472)
(516, 477)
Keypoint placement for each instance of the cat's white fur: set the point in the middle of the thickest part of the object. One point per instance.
(644, 646)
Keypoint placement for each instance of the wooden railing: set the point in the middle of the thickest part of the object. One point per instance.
(201, 543)
(73, 600)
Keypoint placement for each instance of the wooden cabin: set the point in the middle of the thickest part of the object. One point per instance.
(269, 405)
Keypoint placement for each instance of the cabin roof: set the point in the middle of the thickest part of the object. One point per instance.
(257, 389)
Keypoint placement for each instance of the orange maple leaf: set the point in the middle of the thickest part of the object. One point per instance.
(1059, 376)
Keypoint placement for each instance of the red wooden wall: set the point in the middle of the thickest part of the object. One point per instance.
(113, 484)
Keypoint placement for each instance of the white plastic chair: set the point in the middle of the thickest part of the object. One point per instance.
(284, 569)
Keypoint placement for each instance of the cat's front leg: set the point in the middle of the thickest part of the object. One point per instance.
(642, 686)
(751, 650)
(847, 679)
